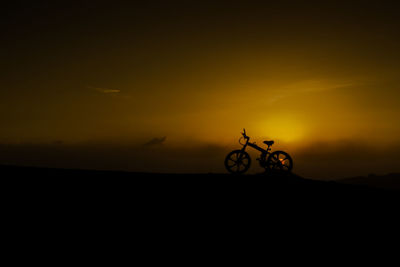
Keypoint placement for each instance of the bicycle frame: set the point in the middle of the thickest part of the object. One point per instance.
(264, 153)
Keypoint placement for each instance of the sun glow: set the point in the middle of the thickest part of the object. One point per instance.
(284, 128)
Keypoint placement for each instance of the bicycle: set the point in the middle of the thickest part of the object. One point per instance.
(239, 161)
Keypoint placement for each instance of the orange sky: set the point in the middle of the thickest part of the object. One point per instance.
(299, 73)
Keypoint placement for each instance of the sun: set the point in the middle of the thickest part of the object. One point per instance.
(283, 127)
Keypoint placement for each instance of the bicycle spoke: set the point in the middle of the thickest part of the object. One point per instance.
(238, 167)
(238, 156)
(234, 164)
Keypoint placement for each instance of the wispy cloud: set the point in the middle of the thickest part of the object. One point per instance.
(308, 86)
(105, 90)
(155, 141)
(316, 86)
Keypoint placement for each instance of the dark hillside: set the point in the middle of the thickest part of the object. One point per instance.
(389, 182)
(196, 187)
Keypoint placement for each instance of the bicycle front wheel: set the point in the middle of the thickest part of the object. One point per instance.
(237, 162)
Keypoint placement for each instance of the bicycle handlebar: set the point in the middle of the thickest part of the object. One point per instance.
(244, 134)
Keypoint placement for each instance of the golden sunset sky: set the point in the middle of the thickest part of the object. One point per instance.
(299, 72)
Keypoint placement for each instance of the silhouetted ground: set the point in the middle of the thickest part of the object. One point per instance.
(75, 184)
(157, 209)
(389, 182)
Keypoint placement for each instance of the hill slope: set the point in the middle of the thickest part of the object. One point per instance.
(390, 181)
(186, 185)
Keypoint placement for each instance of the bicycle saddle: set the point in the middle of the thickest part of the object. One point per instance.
(269, 143)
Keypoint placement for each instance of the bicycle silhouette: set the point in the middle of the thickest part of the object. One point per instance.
(239, 161)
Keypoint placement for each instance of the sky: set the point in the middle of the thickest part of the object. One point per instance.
(318, 77)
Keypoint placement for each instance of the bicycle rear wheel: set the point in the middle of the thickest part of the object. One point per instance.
(279, 161)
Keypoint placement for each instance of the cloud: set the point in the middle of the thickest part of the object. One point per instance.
(306, 86)
(276, 98)
(155, 141)
(345, 158)
(309, 86)
(199, 158)
(105, 90)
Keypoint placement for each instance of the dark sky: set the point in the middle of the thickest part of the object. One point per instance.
(109, 72)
